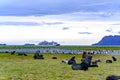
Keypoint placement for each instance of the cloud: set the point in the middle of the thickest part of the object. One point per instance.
(51, 23)
(116, 24)
(113, 30)
(65, 28)
(84, 33)
(109, 30)
(119, 32)
(29, 23)
(20, 23)
(52, 7)
(89, 16)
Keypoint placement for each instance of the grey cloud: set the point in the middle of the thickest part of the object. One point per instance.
(65, 28)
(116, 24)
(119, 32)
(95, 16)
(109, 30)
(20, 23)
(84, 33)
(52, 23)
(30, 23)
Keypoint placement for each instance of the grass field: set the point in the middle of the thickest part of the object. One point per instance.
(13, 67)
(65, 47)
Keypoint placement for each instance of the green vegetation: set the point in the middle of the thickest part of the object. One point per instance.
(65, 47)
(13, 67)
(91, 47)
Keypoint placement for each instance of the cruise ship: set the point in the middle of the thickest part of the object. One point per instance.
(46, 43)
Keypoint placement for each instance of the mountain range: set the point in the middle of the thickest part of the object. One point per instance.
(109, 40)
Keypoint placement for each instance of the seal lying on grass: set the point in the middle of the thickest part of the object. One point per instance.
(72, 60)
(37, 55)
(84, 65)
(112, 77)
(108, 61)
(69, 61)
(114, 59)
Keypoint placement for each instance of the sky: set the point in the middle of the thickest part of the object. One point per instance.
(68, 22)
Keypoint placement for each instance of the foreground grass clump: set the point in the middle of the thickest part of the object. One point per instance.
(13, 67)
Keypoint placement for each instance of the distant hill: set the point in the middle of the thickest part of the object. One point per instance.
(109, 40)
(3, 44)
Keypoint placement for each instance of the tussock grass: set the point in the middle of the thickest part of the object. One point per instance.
(13, 67)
